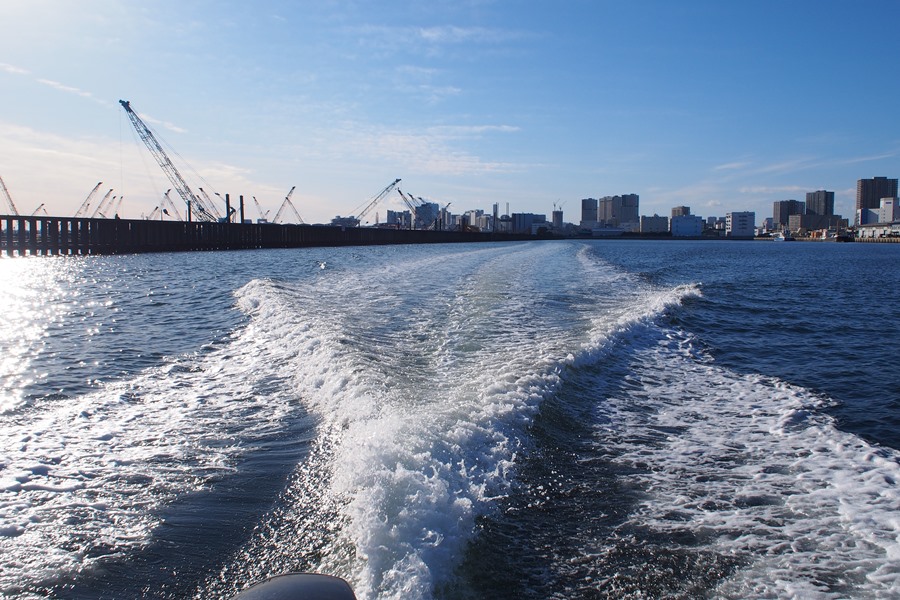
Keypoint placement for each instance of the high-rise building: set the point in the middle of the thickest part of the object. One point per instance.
(820, 202)
(619, 211)
(681, 211)
(783, 209)
(588, 212)
(869, 192)
(557, 219)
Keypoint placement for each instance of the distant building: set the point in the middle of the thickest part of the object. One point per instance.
(783, 209)
(889, 211)
(820, 202)
(687, 226)
(681, 211)
(588, 212)
(557, 219)
(528, 222)
(740, 224)
(886, 212)
(806, 223)
(715, 223)
(620, 211)
(340, 221)
(654, 224)
(869, 193)
(401, 220)
(427, 214)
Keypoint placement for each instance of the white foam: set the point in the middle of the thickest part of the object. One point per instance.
(754, 466)
(424, 414)
(83, 476)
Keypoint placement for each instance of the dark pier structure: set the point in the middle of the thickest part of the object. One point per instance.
(63, 236)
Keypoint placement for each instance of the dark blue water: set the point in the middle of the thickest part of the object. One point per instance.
(572, 419)
(822, 316)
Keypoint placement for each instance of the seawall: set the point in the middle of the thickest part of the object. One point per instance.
(54, 236)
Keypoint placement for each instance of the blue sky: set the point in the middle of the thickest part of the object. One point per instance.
(721, 106)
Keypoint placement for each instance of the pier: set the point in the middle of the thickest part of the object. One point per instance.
(66, 236)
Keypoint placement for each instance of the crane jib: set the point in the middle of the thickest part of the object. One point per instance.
(192, 201)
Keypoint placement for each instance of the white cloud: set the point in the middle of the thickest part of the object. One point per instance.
(731, 166)
(762, 189)
(65, 88)
(12, 69)
(451, 34)
(165, 124)
(467, 130)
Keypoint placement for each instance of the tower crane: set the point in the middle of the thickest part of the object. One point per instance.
(376, 199)
(287, 204)
(12, 206)
(82, 210)
(167, 166)
(262, 215)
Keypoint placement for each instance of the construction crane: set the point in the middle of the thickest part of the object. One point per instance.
(376, 199)
(262, 215)
(167, 166)
(210, 206)
(82, 210)
(167, 203)
(104, 206)
(38, 209)
(411, 206)
(12, 206)
(287, 204)
(104, 201)
(115, 211)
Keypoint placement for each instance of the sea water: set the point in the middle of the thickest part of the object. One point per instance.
(561, 419)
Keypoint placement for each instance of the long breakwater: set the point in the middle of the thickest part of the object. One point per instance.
(53, 236)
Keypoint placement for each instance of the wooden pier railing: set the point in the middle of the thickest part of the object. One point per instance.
(51, 236)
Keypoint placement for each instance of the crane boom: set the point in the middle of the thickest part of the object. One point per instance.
(208, 205)
(287, 204)
(9, 201)
(82, 210)
(167, 202)
(166, 164)
(262, 215)
(376, 199)
(101, 204)
(104, 205)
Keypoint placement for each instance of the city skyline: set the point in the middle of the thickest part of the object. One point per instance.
(719, 107)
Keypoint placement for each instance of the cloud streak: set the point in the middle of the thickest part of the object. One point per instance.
(12, 69)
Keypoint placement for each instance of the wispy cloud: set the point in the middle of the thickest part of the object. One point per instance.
(870, 158)
(732, 166)
(12, 69)
(165, 124)
(65, 88)
(770, 189)
(451, 34)
(469, 130)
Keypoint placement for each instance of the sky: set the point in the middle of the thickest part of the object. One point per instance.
(719, 106)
